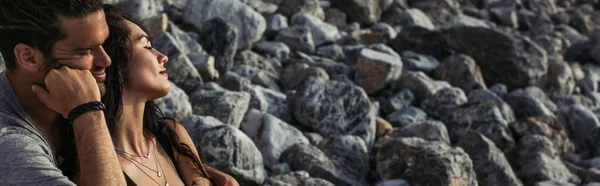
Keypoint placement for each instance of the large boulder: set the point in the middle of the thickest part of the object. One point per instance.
(312, 160)
(322, 32)
(547, 126)
(334, 108)
(487, 115)
(375, 70)
(226, 148)
(365, 12)
(536, 159)
(515, 61)
(250, 25)
(219, 38)
(414, 159)
(445, 100)
(491, 167)
(461, 71)
(350, 156)
(271, 135)
(227, 106)
(176, 104)
(580, 124)
(181, 70)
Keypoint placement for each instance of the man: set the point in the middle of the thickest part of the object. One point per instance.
(55, 69)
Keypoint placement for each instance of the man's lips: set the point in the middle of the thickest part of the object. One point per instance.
(100, 77)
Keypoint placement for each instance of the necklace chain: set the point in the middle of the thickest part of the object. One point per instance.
(135, 162)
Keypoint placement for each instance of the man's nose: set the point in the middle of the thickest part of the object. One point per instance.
(101, 59)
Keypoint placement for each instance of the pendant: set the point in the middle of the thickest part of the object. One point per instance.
(167, 184)
(147, 155)
(159, 174)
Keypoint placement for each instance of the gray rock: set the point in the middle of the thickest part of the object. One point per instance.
(2, 63)
(491, 167)
(541, 6)
(589, 84)
(385, 30)
(580, 21)
(547, 126)
(258, 76)
(219, 39)
(592, 184)
(560, 80)
(322, 32)
(482, 95)
(227, 106)
(542, 25)
(445, 100)
(535, 92)
(526, 106)
(333, 68)
(176, 104)
(430, 130)
(314, 138)
(182, 71)
(275, 23)
(277, 103)
(348, 110)
(411, 16)
(250, 25)
(255, 60)
(226, 148)
(280, 168)
(234, 82)
(394, 182)
(466, 20)
(333, 51)
(261, 6)
(572, 35)
(294, 74)
(552, 45)
(461, 71)
(538, 160)
(312, 160)
(414, 159)
(139, 9)
(291, 180)
(298, 38)
(267, 131)
(335, 17)
(580, 123)
(203, 62)
(311, 7)
(375, 70)
(350, 156)
(553, 183)
(420, 84)
(490, 118)
(365, 12)
(566, 101)
(418, 62)
(396, 102)
(406, 116)
(516, 62)
(276, 49)
(499, 89)
(505, 15)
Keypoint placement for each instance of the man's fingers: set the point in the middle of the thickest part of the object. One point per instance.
(41, 93)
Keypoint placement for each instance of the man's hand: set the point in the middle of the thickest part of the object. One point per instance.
(66, 89)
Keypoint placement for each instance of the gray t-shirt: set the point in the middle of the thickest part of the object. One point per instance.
(26, 156)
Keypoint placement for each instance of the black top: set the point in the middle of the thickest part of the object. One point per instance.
(165, 145)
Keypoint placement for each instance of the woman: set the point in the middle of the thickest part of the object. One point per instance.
(152, 149)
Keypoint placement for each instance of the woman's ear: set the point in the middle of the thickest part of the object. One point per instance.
(28, 58)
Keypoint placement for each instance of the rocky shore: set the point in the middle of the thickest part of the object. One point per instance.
(385, 92)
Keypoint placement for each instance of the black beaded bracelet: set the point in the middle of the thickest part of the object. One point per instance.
(83, 108)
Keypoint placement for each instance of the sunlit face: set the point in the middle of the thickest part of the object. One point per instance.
(147, 76)
(82, 49)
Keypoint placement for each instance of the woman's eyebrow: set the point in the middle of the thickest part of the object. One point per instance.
(143, 36)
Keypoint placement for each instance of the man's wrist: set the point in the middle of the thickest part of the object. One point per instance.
(85, 108)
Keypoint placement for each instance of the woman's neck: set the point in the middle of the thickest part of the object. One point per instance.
(128, 134)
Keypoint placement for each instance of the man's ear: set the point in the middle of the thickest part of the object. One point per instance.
(28, 58)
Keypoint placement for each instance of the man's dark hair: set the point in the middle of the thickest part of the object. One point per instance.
(37, 23)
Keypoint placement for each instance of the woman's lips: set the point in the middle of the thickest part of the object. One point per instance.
(164, 73)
